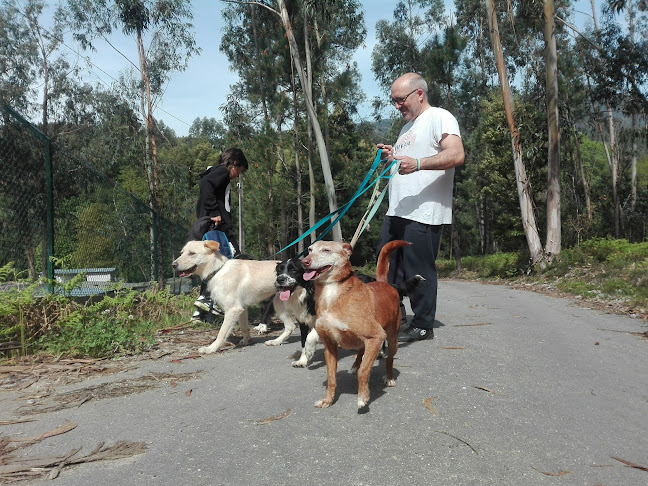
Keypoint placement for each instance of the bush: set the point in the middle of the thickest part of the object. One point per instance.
(498, 265)
(33, 320)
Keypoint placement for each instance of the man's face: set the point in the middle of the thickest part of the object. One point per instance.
(407, 101)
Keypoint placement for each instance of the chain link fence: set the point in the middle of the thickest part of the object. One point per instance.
(60, 217)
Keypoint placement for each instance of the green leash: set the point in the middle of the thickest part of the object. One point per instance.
(364, 187)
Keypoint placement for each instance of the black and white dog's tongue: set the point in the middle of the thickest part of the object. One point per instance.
(310, 275)
(284, 295)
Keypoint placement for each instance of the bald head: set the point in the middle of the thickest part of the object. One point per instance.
(409, 95)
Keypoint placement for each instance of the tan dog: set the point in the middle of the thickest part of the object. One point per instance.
(232, 284)
(351, 314)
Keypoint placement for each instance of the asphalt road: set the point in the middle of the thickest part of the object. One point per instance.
(517, 388)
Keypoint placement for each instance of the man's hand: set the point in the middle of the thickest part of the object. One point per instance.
(387, 152)
(407, 165)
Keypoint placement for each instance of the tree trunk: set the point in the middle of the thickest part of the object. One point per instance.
(258, 61)
(524, 188)
(581, 166)
(613, 161)
(612, 151)
(553, 243)
(300, 216)
(633, 161)
(152, 167)
(321, 145)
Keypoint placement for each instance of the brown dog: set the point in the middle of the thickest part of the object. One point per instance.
(351, 314)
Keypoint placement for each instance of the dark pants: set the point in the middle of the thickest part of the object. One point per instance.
(419, 258)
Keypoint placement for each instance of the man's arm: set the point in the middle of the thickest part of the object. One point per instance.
(451, 155)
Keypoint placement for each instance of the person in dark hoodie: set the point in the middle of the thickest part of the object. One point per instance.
(213, 209)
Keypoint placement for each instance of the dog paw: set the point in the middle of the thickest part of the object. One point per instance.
(272, 342)
(389, 382)
(323, 403)
(206, 350)
(299, 364)
(362, 403)
(261, 328)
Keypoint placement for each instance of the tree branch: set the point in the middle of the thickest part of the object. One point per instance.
(243, 2)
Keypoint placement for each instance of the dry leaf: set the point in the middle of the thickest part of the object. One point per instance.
(428, 404)
(188, 392)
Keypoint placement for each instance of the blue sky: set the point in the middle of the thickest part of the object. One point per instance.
(202, 88)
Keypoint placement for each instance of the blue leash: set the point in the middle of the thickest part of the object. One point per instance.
(364, 187)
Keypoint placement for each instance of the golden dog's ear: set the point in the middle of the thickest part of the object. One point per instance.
(347, 248)
(212, 245)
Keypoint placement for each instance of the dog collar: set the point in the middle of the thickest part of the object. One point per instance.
(211, 275)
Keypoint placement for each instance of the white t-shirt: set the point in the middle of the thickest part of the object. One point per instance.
(424, 196)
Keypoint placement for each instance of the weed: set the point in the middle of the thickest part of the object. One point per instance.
(33, 319)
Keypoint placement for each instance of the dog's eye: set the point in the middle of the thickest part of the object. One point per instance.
(191, 253)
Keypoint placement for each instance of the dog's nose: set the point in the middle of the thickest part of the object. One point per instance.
(174, 264)
(306, 262)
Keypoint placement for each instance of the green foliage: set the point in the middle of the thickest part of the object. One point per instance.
(121, 324)
(498, 265)
(33, 320)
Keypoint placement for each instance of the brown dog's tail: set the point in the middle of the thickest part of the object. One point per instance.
(383, 259)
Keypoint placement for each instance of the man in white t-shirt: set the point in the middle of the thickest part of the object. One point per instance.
(429, 147)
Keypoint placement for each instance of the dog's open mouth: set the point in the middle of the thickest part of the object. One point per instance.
(187, 273)
(316, 272)
(284, 292)
(284, 295)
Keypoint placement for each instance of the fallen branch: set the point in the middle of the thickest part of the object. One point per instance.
(272, 419)
(561, 473)
(628, 463)
(460, 440)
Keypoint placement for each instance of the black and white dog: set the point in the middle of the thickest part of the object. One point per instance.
(298, 296)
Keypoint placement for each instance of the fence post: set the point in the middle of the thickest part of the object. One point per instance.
(49, 218)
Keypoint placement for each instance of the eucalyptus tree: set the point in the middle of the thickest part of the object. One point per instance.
(281, 47)
(18, 57)
(522, 181)
(32, 67)
(634, 47)
(412, 42)
(616, 72)
(165, 24)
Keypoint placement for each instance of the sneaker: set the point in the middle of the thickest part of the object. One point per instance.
(197, 316)
(204, 304)
(415, 334)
